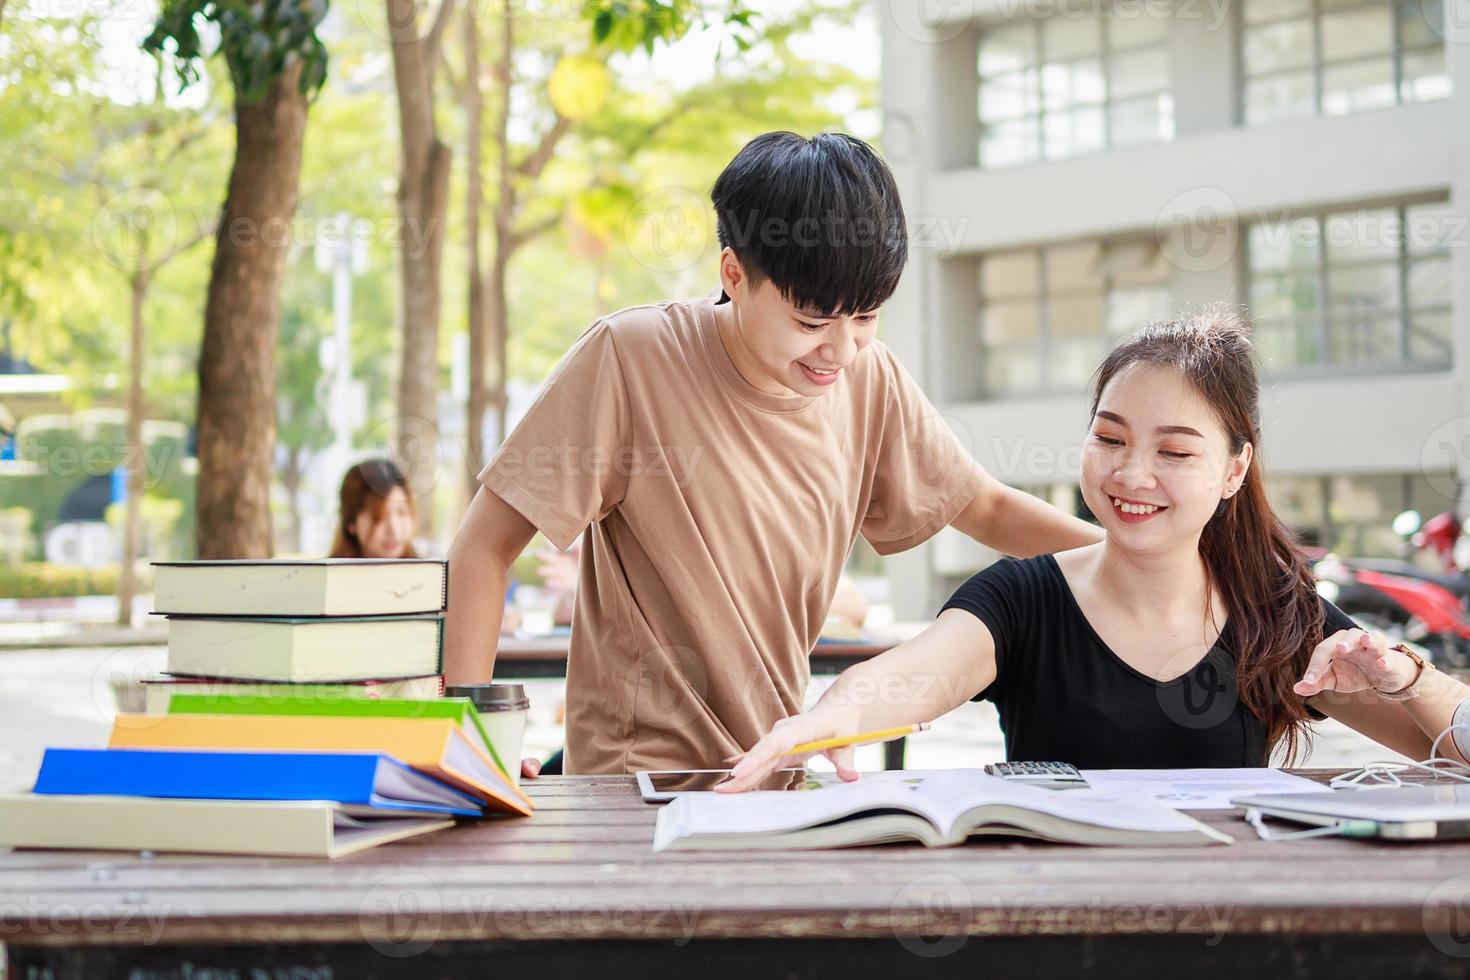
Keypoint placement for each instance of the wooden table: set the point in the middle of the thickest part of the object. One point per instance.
(576, 890)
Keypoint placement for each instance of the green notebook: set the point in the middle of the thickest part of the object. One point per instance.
(462, 710)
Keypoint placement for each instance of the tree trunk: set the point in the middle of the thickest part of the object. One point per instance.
(237, 374)
(499, 314)
(474, 110)
(423, 201)
(127, 585)
(505, 211)
(291, 478)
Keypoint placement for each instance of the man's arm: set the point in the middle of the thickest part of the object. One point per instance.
(492, 536)
(1020, 525)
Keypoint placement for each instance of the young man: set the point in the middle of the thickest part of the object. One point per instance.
(723, 454)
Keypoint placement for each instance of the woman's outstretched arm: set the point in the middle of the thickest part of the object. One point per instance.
(919, 680)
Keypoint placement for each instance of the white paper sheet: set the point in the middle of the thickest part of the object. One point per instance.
(1198, 789)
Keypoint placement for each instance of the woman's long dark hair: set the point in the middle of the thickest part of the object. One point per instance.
(1266, 583)
(367, 485)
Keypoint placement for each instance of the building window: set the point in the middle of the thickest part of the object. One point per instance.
(1367, 288)
(1047, 316)
(1073, 83)
(1352, 514)
(1332, 57)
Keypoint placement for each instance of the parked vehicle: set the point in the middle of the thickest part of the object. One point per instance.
(1442, 535)
(1402, 607)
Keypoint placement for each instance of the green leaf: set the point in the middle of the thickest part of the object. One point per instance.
(259, 39)
(313, 75)
(602, 26)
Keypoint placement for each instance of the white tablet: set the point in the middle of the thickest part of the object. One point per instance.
(660, 786)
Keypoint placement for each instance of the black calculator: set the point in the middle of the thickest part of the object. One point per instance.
(1047, 775)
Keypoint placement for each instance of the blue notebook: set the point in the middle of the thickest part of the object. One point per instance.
(363, 782)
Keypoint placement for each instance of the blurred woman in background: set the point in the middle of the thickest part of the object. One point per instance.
(376, 519)
(376, 516)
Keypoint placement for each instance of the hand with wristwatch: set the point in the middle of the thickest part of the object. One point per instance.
(1356, 660)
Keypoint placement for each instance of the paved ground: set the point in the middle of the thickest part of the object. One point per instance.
(64, 697)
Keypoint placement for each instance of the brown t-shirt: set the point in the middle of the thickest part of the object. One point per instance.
(719, 518)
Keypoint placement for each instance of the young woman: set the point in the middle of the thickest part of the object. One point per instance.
(1192, 636)
(376, 519)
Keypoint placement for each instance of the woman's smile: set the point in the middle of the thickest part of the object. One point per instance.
(1136, 511)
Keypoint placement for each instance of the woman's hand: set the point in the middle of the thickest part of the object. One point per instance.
(530, 768)
(774, 750)
(1354, 660)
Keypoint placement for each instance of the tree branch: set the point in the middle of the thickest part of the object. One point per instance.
(522, 236)
(682, 106)
(687, 102)
(115, 258)
(433, 41)
(535, 163)
(501, 68)
(185, 141)
(201, 233)
(456, 84)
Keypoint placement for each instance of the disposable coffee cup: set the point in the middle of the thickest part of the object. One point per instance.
(502, 709)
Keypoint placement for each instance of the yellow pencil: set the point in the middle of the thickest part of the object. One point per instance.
(865, 738)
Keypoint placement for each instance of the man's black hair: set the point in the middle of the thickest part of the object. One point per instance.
(820, 218)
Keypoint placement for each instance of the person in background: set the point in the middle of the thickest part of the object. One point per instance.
(849, 609)
(558, 571)
(376, 515)
(376, 519)
(1440, 535)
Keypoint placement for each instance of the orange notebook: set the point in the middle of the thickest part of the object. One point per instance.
(435, 746)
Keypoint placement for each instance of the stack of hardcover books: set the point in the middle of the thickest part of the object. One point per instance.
(278, 730)
(339, 627)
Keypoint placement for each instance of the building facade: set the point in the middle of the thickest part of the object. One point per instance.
(1071, 171)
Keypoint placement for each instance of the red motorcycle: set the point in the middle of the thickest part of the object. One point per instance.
(1416, 609)
(1444, 536)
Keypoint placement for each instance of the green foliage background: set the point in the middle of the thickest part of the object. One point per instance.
(86, 135)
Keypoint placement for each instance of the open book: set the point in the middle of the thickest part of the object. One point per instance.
(936, 809)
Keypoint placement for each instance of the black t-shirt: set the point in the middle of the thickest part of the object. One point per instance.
(1063, 695)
